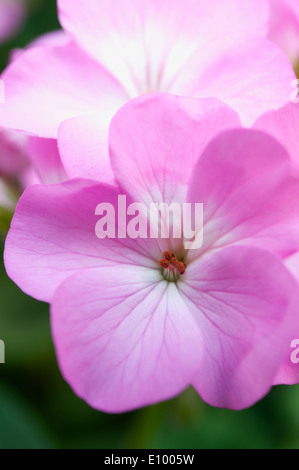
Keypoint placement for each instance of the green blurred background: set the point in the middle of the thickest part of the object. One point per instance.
(39, 410)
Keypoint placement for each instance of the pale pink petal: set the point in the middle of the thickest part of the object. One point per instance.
(252, 77)
(144, 42)
(282, 124)
(83, 146)
(155, 141)
(124, 338)
(46, 85)
(53, 235)
(249, 187)
(246, 304)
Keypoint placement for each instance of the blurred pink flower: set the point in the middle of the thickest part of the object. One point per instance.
(13, 159)
(127, 337)
(19, 151)
(12, 15)
(119, 50)
(284, 26)
(26, 160)
(16, 172)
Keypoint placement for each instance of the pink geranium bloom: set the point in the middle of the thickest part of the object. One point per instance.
(284, 26)
(12, 15)
(126, 336)
(120, 50)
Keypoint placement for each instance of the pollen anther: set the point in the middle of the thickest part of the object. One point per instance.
(172, 266)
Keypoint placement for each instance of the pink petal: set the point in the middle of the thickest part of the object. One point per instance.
(156, 140)
(83, 146)
(46, 85)
(54, 38)
(53, 235)
(124, 338)
(138, 40)
(282, 124)
(250, 191)
(288, 373)
(246, 304)
(252, 77)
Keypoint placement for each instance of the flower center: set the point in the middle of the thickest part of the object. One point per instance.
(172, 267)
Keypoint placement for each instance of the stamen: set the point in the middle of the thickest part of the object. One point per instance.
(164, 263)
(172, 267)
(168, 255)
(178, 265)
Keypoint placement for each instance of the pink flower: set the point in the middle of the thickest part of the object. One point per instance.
(12, 15)
(126, 336)
(120, 50)
(26, 160)
(284, 26)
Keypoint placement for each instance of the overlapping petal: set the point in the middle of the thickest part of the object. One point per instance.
(83, 146)
(155, 142)
(252, 77)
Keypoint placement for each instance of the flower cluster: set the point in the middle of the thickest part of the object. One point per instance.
(167, 103)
